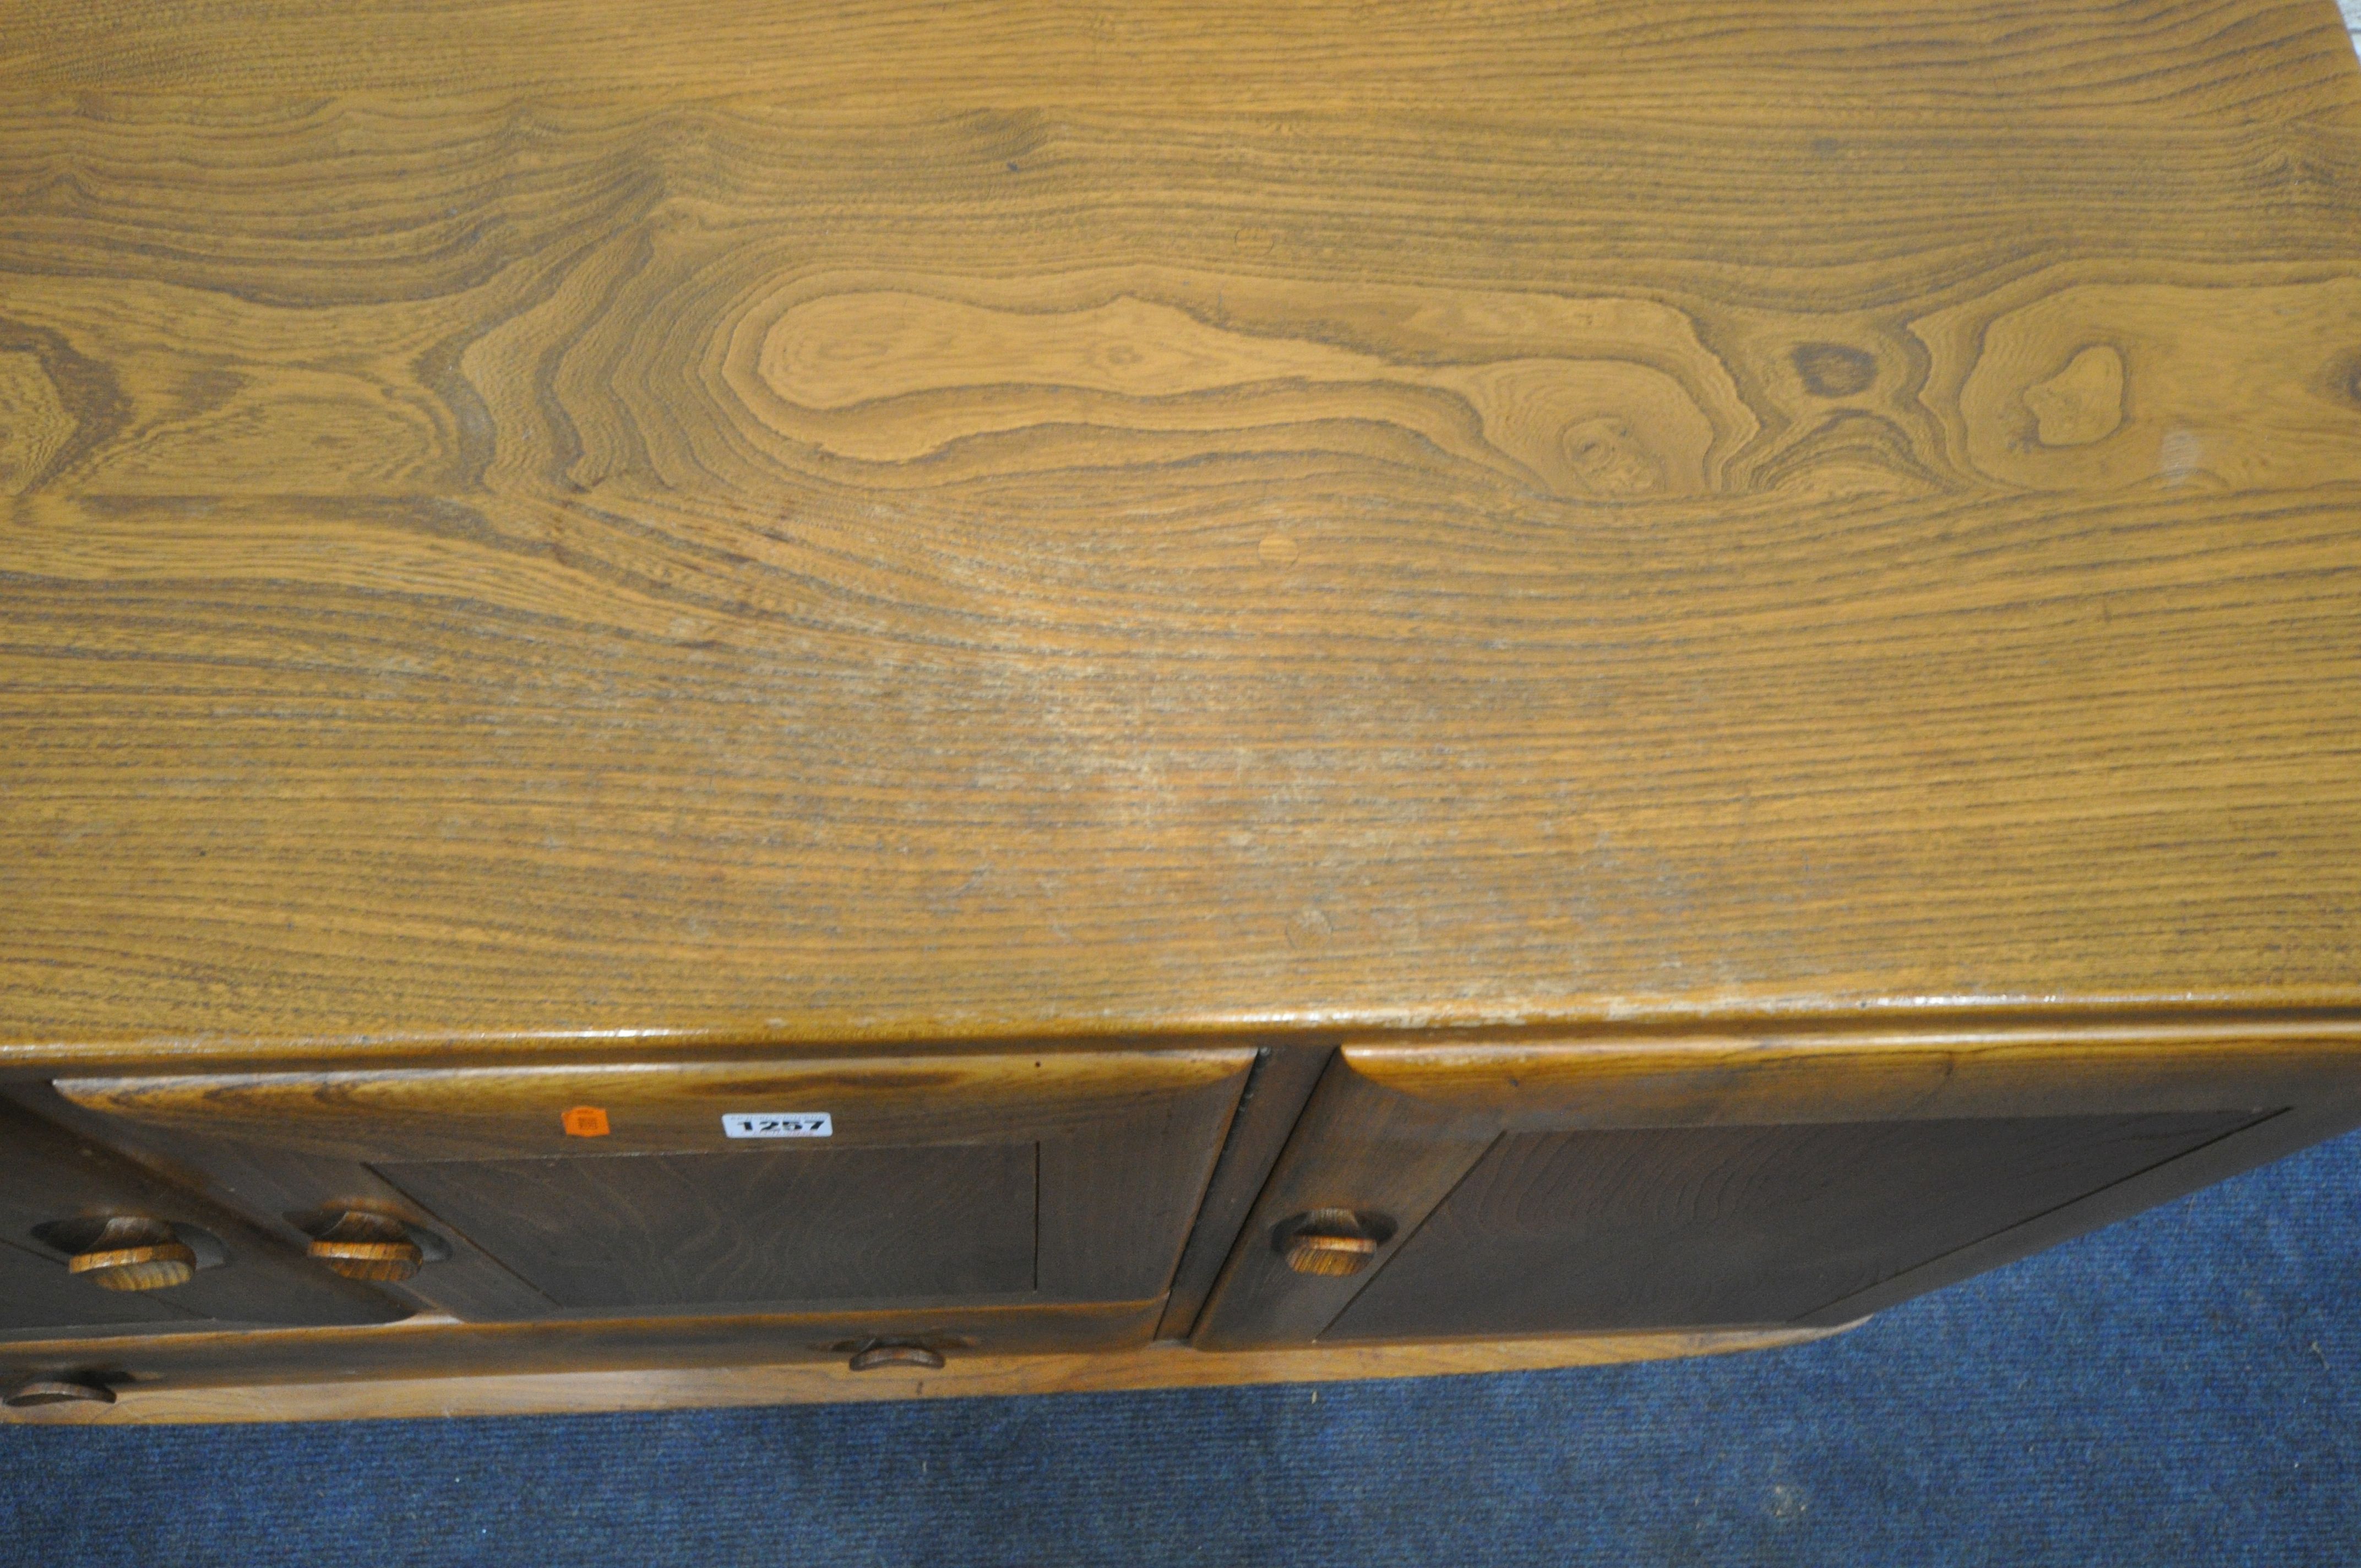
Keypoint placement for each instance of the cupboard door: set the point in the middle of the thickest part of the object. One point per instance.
(1532, 1190)
(1053, 1183)
(151, 1258)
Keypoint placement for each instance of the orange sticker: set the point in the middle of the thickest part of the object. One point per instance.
(585, 1122)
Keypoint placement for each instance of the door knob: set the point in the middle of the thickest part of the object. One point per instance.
(57, 1391)
(362, 1246)
(1308, 1254)
(1332, 1242)
(132, 1253)
(869, 1358)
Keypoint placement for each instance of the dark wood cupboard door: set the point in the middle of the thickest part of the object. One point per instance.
(59, 1198)
(1489, 1191)
(1692, 1227)
(1035, 1198)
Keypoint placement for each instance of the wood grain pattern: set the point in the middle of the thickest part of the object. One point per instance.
(1528, 1080)
(668, 1106)
(805, 526)
(212, 1398)
(1810, 556)
(1735, 59)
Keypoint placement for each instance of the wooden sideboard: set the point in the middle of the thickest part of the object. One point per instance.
(707, 704)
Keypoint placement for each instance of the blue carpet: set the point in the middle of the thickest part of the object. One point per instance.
(2181, 1388)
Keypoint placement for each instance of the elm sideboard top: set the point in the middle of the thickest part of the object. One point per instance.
(676, 525)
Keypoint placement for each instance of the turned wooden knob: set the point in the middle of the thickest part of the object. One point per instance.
(133, 1254)
(362, 1246)
(878, 1355)
(1330, 1255)
(1332, 1242)
(56, 1391)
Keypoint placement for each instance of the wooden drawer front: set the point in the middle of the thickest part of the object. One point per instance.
(1000, 1181)
(1497, 1190)
(51, 1184)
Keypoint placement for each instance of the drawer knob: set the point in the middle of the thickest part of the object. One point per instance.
(57, 1391)
(870, 1358)
(1330, 1255)
(362, 1246)
(1332, 1242)
(133, 1254)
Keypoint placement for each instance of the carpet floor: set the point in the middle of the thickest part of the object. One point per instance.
(2184, 1387)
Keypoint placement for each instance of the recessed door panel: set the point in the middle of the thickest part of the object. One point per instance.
(1679, 1227)
(787, 1226)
